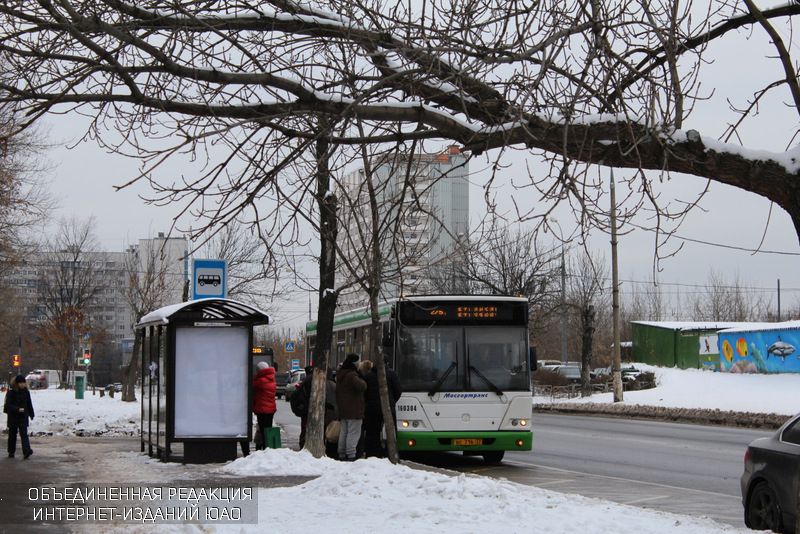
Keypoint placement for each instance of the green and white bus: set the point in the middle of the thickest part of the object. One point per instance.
(464, 365)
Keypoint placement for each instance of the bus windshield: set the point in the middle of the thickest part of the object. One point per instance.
(486, 358)
(499, 355)
(426, 354)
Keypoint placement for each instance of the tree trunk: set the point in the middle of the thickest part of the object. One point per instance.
(315, 426)
(132, 370)
(587, 326)
(383, 384)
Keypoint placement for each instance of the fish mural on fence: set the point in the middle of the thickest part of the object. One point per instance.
(775, 350)
(781, 349)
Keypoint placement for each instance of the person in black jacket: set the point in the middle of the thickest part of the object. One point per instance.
(373, 416)
(19, 408)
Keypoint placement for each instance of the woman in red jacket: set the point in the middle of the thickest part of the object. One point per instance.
(264, 398)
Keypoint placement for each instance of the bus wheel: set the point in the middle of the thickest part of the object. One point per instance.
(493, 457)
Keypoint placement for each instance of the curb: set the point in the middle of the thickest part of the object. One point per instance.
(770, 421)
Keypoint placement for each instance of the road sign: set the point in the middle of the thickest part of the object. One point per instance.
(210, 279)
(290, 346)
(295, 364)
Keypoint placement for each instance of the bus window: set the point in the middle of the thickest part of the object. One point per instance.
(424, 355)
(499, 354)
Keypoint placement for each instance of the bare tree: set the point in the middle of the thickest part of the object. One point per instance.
(723, 300)
(252, 270)
(583, 82)
(71, 276)
(586, 295)
(147, 271)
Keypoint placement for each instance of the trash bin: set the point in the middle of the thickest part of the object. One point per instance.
(79, 386)
(272, 437)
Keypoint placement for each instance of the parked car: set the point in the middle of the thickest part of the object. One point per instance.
(294, 383)
(769, 482)
(281, 379)
(570, 371)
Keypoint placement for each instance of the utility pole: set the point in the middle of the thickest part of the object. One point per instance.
(617, 363)
(563, 307)
(779, 300)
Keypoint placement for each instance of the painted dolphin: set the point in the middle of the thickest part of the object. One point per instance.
(781, 349)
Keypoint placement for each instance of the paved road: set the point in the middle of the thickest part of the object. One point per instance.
(671, 467)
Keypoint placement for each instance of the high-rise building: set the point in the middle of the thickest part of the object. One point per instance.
(422, 223)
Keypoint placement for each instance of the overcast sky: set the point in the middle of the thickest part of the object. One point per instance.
(83, 177)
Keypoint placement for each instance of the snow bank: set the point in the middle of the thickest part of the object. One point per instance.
(695, 388)
(59, 413)
(377, 497)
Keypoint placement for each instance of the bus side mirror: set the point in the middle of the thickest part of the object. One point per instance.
(532, 358)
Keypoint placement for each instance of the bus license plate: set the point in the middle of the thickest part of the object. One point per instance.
(470, 441)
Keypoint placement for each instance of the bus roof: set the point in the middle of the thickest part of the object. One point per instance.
(362, 314)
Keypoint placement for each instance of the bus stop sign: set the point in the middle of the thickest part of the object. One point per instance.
(209, 279)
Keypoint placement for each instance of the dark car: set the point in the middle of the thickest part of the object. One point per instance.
(281, 379)
(771, 479)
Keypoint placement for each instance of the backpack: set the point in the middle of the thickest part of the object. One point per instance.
(299, 401)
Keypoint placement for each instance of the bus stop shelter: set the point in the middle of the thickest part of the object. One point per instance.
(196, 374)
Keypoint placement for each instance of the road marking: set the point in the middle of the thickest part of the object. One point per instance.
(619, 479)
(646, 499)
(549, 482)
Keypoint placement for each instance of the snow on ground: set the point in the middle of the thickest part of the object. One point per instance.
(695, 388)
(380, 498)
(59, 413)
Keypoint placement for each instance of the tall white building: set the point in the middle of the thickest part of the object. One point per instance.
(423, 219)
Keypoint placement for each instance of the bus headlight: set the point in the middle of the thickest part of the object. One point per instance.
(404, 424)
(412, 423)
(519, 422)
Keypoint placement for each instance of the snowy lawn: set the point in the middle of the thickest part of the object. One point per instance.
(59, 413)
(380, 498)
(695, 388)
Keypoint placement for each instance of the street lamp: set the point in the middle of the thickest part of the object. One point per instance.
(563, 318)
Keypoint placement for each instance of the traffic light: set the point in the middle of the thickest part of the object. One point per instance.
(87, 357)
(16, 360)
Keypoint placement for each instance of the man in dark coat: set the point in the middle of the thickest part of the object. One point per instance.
(373, 416)
(350, 388)
(19, 408)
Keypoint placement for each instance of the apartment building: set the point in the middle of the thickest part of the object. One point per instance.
(423, 218)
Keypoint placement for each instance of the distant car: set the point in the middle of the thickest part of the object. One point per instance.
(37, 380)
(294, 383)
(548, 363)
(768, 483)
(571, 372)
(116, 386)
(281, 379)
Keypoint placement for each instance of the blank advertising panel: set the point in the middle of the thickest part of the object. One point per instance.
(211, 382)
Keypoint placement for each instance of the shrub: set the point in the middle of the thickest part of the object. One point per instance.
(546, 377)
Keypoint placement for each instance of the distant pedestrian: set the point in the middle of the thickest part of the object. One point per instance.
(300, 401)
(373, 414)
(264, 406)
(19, 408)
(350, 388)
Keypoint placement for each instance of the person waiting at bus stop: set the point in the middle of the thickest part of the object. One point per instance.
(19, 408)
(264, 406)
(373, 414)
(350, 388)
